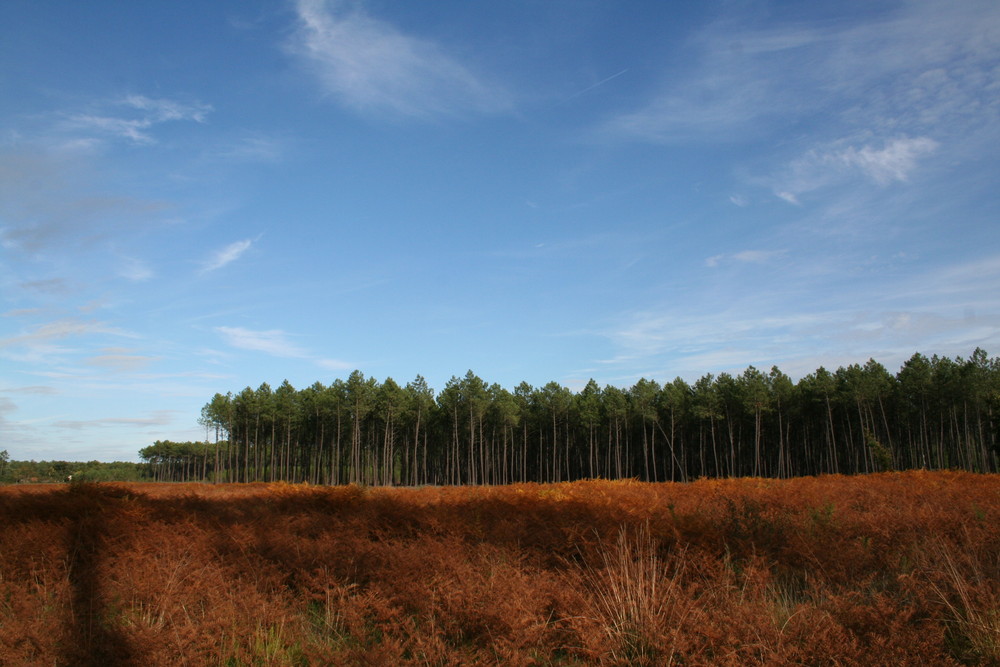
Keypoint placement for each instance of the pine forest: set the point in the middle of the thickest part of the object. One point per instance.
(934, 413)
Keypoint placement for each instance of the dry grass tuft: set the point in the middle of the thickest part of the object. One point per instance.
(636, 597)
(969, 592)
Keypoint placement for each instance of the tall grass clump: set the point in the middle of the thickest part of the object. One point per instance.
(635, 596)
(967, 587)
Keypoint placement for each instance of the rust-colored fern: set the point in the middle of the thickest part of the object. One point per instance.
(895, 568)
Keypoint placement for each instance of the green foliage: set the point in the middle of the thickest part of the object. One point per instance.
(881, 454)
(50, 472)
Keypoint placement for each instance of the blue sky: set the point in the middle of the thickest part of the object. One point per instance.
(199, 197)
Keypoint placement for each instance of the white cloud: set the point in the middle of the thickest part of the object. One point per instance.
(277, 343)
(120, 359)
(746, 257)
(61, 329)
(227, 255)
(802, 321)
(125, 128)
(155, 418)
(274, 342)
(954, 284)
(163, 110)
(133, 116)
(369, 65)
(903, 70)
(718, 110)
(134, 269)
(335, 365)
(759, 256)
(44, 343)
(686, 344)
(250, 148)
(894, 162)
(834, 164)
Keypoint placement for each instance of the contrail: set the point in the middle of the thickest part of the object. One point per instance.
(599, 83)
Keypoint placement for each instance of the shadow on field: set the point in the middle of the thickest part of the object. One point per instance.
(94, 639)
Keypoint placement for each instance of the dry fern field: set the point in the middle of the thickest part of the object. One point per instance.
(888, 569)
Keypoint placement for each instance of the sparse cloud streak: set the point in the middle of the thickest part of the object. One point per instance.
(745, 81)
(335, 365)
(951, 313)
(133, 117)
(226, 255)
(134, 269)
(156, 418)
(121, 360)
(61, 329)
(598, 84)
(746, 257)
(369, 65)
(274, 342)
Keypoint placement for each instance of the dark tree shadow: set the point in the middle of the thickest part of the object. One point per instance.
(95, 639)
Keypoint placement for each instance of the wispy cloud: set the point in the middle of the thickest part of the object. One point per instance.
(369, 65)
(227, 255)
(38, 390)
(57, 286)
(133, 116)
(8, 429)
(162, 110)
(134, 269)
(892, 162)
(120, 359)
(949, 310)
(51, 199)
(155, 418)
(6, 406)
(746, 257)
(679, 343)
(335, 365)
(250, 148)
(597, 85)
(276, 343)
(47, 343)
(61, 329)
(914, 66)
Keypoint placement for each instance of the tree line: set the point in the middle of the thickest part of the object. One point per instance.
(933, 413)
(31, 472)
